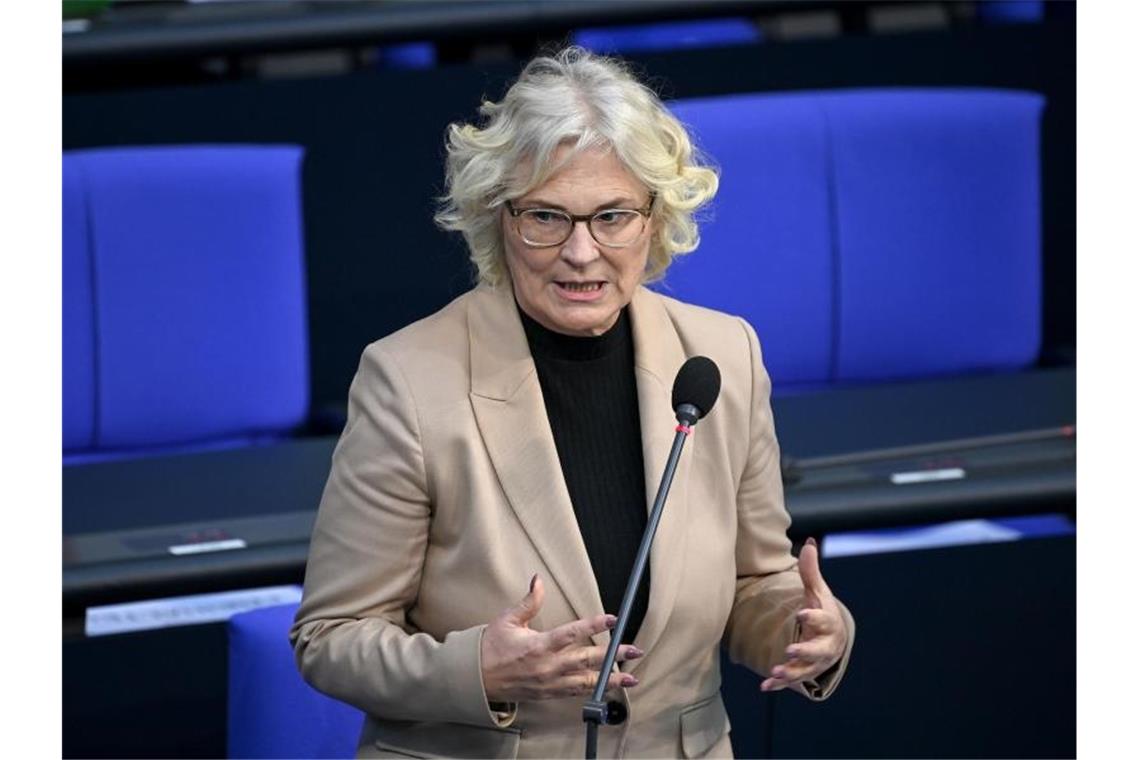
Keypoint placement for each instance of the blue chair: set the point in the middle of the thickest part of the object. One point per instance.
(407, 55)
(873, 235)
(272, 712)
(185, 319)
(667, 35)
(766, 248)
(937, 224)
(1011, 11)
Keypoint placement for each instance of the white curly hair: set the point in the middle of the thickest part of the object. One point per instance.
(576, 98)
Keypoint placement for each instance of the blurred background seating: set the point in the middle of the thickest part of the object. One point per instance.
(669, 35)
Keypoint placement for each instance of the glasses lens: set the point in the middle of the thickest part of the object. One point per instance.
(616, 226)
(543, 227)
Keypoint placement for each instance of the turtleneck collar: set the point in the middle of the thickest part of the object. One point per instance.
(549, 344)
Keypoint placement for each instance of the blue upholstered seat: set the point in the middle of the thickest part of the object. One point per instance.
(272, 712)
(937, 220)
(79, 400)
(185, 318)
(667, 35)
(873, 235)
(766, 246)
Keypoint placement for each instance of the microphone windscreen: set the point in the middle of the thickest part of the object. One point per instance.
(697, 383)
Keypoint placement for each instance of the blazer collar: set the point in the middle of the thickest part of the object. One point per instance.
(509, 409)
(503, 362)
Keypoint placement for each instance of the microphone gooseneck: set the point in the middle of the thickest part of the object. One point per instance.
(695, 390)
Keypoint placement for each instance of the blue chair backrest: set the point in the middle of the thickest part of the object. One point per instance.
(79, 396)
(1011, 11)
(184, 300)
(407, 55)
(272, 712)
(873, 235)
(667, 35)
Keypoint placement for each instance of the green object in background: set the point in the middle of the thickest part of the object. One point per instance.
(83, 8)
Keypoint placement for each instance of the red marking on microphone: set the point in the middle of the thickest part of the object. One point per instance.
(684, 429)
(1069, 431)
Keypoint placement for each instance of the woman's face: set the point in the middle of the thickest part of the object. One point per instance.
(579, 287)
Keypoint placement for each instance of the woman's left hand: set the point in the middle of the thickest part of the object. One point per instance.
(823, 636)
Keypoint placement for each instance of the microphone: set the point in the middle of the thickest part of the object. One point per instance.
(695, 391)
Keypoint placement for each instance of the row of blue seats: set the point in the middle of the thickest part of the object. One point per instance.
(867, 235)
(682, 35)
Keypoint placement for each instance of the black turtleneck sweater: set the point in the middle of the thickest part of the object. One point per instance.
(590, 392)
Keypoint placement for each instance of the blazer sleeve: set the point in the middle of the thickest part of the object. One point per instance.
(351, 636)
(769, 591)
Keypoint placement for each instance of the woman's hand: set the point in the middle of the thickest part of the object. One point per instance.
(520, 664)
(823, 636)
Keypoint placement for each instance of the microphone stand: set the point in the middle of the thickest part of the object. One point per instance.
(595, 712)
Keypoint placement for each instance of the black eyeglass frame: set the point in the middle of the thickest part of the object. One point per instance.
(645, 211)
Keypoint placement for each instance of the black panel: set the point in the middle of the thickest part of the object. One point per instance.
(151, 694)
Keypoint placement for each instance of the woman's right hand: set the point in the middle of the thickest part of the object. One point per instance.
(520, 664)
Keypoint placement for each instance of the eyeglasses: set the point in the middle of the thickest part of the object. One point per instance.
(611, 227)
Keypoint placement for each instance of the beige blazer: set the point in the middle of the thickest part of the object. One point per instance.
(446, 495)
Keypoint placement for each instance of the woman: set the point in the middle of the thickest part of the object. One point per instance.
(491, 485)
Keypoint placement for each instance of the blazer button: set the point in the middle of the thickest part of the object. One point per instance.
(616, 712)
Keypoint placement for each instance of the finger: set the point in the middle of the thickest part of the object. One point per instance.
(815, 588)
(794, 671)
(773, 684)
(583, 683)
(813, 651)
(523, 612)
(814, 622)
(577, 632)
(590, 658)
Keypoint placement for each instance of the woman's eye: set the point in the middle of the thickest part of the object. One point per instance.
(614, 217)
(545, 217)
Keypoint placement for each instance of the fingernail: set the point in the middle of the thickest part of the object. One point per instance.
(629, 680)
(765, 686)
(611, 621)
(810, 541)
(533, 578)
(634, 652)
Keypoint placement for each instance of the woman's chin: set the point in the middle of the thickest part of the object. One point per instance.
(581, 319)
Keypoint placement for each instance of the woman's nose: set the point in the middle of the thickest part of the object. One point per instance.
(580, 248)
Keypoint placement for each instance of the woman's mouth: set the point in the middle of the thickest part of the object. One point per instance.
(581, 291)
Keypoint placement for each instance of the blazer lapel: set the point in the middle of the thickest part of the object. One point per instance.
(511, 415)
(658, 354)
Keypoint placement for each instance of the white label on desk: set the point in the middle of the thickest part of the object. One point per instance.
(927, 476)
(184, 610)
(207, 546)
